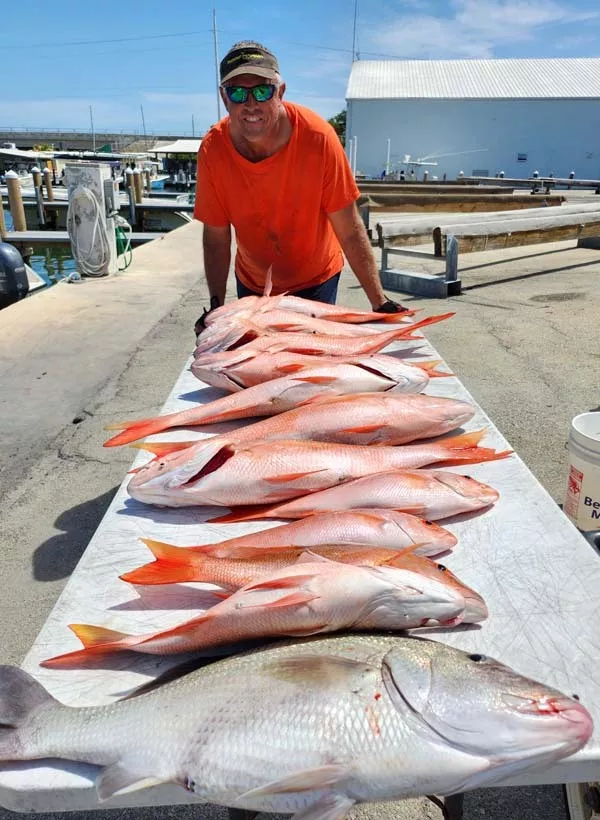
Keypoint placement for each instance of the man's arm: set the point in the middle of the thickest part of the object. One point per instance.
(350, 231)
(217, 258)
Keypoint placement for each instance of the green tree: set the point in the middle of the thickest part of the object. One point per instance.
(339, 125)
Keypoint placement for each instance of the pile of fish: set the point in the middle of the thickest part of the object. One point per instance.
(354, 456)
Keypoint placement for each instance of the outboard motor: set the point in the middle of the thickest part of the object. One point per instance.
(14, 284)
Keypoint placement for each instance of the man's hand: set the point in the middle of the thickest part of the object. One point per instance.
(390, 307)
(201, 320)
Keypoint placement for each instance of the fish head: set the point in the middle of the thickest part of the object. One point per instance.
(482, 494)
(416, 530)
(157, 481)
(475, 609)
(478, 706)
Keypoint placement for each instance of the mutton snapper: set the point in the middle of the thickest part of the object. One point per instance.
(313, 595)
(349, 719)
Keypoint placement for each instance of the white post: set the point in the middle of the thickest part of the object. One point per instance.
(355, 140)
(387, 161)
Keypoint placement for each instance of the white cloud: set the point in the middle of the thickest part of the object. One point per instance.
(474, 29)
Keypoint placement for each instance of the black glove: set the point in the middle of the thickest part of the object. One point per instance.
(201, 320)
(390, 307)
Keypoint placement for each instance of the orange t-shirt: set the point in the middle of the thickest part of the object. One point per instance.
(278, 206)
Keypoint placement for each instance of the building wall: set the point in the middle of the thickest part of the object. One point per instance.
(557, 136)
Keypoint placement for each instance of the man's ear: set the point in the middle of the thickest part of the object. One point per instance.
(224, 97)
(281, 91)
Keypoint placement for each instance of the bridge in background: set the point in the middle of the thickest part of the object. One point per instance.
(72, 139)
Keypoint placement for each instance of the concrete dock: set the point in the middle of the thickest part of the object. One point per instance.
(525, 341)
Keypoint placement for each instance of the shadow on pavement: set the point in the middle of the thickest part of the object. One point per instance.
(58, 556)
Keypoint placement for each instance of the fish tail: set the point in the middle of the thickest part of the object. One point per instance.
(160, 449)
(430, 320)
(172, 565)
(97, 641)
(248, 512)
(395, 318)
(464, 449)
(133, 430)
(21, 696)
(431, 369)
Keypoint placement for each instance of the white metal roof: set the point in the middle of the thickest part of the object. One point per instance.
(18, 154)
(475, 79)
(182, 146)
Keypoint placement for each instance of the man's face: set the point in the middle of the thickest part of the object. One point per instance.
(254, 120)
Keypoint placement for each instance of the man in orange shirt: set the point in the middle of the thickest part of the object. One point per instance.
(278, 173)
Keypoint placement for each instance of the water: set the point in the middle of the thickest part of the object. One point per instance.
(51, 262)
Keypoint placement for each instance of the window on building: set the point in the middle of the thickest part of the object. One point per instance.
(479, 172)
(521, 157)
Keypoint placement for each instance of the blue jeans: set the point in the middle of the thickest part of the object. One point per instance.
(325, 292)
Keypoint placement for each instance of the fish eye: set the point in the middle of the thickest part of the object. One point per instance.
(575, 697)
(429, 523)
(477, 658)
(442, 568)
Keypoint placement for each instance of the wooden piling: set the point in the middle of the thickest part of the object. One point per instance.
(37, 177)
(2, 220)
(15, 201)
(137, 185)
(148, 181)
(48, 183)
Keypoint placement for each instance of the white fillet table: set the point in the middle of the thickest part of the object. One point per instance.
(539, 576)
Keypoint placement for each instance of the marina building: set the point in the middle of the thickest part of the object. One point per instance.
(479, 117)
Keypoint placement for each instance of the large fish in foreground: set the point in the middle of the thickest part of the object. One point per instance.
(349, 719)
(431, 494)
(349, 528)
(264, 473)
(314, 595)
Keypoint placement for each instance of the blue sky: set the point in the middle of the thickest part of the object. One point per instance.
(159, 56)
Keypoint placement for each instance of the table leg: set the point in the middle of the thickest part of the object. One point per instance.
(453, 807)
(242, 814)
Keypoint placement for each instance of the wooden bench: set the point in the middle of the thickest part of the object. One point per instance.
(493, 232)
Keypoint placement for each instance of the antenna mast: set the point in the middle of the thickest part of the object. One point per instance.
(354, 54)
(216, 62)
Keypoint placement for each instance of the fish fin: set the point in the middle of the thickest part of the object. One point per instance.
(292, 368)
(163, 448)
(309, 780)
(268, 282)
(96, 640)
(430, 320)
(293, 599)
(396, 318)
(118, 779)
(173, 565)
(316, 379)
(309, 557)
(246, 512)
(330, 807)
(319, 670)
(282, 479)
(367, 428)
(20, 697)
(430, 369)
(132, 430)
(464, 449)
(281, 583)
(222, 594)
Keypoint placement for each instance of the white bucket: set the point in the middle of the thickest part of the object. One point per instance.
(582, 500)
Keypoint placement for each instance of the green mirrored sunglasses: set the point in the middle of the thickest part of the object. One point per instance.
(239, 94)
